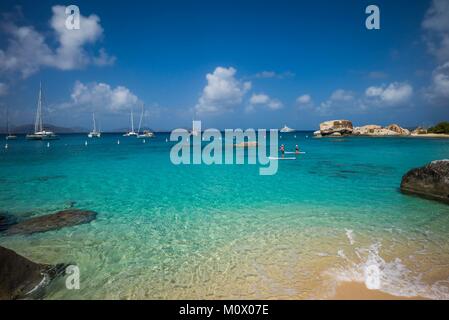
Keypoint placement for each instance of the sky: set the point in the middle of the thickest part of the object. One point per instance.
(230, 64)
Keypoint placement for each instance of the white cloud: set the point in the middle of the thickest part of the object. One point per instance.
(263, 100)
(342, 95)
(395, 93)
(439, 89)
(223, 91)
(100, 97)
(27, 49)
(3, 89)
(338, 100)
(436, 27)
(304, 99)
(273, 74)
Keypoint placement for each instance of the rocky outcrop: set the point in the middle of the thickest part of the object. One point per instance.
(58, 220)
(398, 130)
(20, 277)
(430, 181)
(375, 130)
(419, 130)
(343, 127)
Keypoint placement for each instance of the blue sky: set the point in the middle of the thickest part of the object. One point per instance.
(234, 63)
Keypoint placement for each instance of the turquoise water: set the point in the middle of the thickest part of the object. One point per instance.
(224, 231)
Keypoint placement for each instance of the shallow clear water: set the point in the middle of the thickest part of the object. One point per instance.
(224, 231)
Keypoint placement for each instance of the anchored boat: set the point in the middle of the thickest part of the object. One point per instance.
(39, 132)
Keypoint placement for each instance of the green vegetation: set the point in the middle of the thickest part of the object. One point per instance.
(442, 127)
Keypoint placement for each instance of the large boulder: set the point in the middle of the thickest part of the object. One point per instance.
(366, 130)
(22, 278)
(430, 181)
(58, 220)
(418, 131)
(398, 130)
(343, 127)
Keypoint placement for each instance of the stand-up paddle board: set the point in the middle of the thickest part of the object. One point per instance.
(291, 152)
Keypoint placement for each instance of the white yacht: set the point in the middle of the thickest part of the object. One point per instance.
(39, 132)
(94, 133)
(131, 133)
(286, 129)
(146, 133)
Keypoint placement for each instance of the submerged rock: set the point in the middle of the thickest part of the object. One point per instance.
(6, 220)
(58, 220)
(20, 277)
(248, 144)
(342, 127)
(430, 181)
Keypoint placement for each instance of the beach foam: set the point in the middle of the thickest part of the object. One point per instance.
(391, 277)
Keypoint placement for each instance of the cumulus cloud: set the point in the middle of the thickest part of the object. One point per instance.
(339, 99)
(439, 89)
(223, 91)
(436, 27)
(394, 94)
(28, 50)
(100, 97)
(304, 99)
(273, 74)
(265, 101)
(3, 89)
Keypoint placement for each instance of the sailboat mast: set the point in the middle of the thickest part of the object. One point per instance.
(141, 117)
(93, 118)
(132, 120)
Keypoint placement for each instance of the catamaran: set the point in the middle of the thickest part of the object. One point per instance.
(146, 133)
(94, 133)
(39, 132)
(9, 136)
(131, 133)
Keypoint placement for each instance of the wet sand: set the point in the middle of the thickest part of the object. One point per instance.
(358, 291)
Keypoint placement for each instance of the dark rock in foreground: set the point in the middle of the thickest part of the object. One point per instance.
(21, 278)
(58, 220)
(430, 181)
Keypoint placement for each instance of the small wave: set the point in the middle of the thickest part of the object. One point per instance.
(350, 235)
(391, 277)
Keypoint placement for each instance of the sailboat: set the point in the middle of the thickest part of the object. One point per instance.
(131, 133)
(9, 136)
(94, 133)
(39, 132)
(146, 133)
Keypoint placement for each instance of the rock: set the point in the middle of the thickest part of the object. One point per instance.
(398, 129)
(430, 181)
(341, 126)
(58, 220)
(336, 134)
(419, 130)
(6, 220)
(20, 277)
(317, 133)
(366, 130)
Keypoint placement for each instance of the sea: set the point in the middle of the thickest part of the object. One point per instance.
(163, 231)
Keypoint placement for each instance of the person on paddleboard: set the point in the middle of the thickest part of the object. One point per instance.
(297, 149)
(282, 149)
